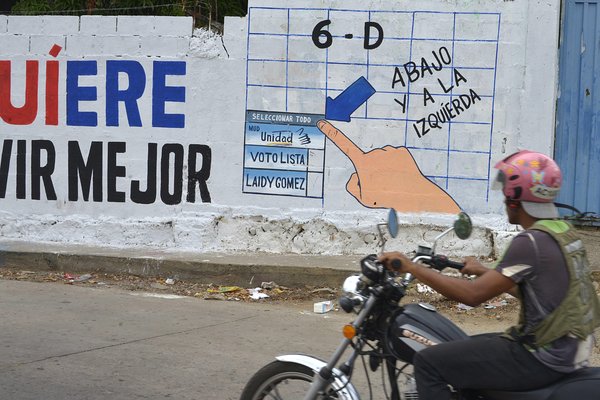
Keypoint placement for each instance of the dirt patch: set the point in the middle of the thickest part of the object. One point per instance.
(503, 308)
(214, 291)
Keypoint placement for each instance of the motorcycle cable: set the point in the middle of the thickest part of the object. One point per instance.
(383, 355)
(362, 359)
(386, 340)
(358, 351)
(348, 370)
(395, 375)
(391, 368)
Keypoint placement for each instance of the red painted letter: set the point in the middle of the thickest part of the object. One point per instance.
(52, 87)
(51, 92)
(26, 114)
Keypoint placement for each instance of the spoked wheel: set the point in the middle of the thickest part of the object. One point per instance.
(280, 381)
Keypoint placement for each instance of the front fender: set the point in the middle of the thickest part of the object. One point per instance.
(340, 383)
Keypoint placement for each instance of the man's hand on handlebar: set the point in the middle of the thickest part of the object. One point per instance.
(473, 267)
(396, 261)
(399, 262)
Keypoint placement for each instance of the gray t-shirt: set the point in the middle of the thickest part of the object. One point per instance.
(543, 277)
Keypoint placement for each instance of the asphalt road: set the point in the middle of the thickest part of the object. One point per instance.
(62, 342)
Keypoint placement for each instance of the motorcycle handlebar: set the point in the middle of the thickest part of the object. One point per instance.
(440, 262)
(374, 269)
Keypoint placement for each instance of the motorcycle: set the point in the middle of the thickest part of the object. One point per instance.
(389, 334)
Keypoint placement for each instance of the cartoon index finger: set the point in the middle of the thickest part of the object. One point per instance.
(347, 146)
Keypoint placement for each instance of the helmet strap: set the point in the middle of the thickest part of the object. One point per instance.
(512, 204)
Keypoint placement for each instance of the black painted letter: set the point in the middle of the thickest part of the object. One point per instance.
(39, 173)
(149, 196)
(82, 171)
(4, 166)
(368, 26)
(201, 175)
(113, 171)
(165, 173)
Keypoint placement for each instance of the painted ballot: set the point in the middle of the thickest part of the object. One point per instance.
(284, 154)
(425, 80)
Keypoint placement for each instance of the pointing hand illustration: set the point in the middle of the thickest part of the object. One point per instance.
(389, 177)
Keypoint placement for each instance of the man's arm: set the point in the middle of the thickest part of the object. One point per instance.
(472, 293)
(474, 267)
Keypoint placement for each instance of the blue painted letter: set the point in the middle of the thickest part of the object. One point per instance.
(135, 90)
(76, 93)
(161, 93)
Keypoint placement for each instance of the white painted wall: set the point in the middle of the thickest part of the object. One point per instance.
(217, 97)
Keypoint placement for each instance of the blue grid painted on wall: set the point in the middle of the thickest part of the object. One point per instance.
(454, 54)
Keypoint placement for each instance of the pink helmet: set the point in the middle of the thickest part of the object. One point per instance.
(532, 178)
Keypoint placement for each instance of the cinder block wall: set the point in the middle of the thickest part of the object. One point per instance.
(215, 106)
(90, 35)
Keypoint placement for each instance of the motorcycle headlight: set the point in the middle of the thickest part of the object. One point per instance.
(350, 286)
(352, 298)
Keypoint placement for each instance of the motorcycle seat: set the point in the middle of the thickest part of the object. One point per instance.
(583, 384)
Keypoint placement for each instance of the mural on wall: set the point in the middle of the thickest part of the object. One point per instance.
(128, 131)
(97, 174)
(430, 75)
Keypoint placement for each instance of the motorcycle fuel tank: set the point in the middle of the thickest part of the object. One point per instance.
(418, 326)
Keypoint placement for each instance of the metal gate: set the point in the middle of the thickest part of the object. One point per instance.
(577, 146)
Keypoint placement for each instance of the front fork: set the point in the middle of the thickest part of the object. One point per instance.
(325, 375)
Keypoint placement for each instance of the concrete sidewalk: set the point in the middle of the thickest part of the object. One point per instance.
(292, 270)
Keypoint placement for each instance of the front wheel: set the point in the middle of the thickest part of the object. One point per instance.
(281, 381)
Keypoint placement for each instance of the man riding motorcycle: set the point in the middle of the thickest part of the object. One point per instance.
(545, 266)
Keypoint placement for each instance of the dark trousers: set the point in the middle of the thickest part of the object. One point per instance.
(481, 362)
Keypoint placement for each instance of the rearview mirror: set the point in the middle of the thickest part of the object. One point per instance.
(392, 223)
(463, 226)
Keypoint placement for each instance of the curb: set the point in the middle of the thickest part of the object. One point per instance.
(291, 270)
(240, 270)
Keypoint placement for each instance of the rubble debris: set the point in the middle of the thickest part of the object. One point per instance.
(421, 288)
(213, 296)
(269, 285)
(256, 294)
(159, 286)
(224, 289)
(495, 304)
(323, 307)
(83, 278)
(324, 290)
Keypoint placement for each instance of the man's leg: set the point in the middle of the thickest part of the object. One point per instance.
(482, 362)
